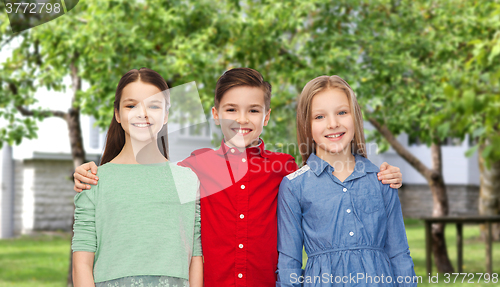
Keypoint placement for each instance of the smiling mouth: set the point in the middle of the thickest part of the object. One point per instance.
(334, 136)
(144, 125)
(242, 131)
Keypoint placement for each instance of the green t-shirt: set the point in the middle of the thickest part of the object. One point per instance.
(139, 220)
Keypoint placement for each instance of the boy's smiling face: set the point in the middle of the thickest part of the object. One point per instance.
(242, 115)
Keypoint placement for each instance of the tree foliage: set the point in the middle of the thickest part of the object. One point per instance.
(473, 94)
(429, 69)
(408, 61)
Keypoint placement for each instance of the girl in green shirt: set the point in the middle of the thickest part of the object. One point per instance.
(140, 225)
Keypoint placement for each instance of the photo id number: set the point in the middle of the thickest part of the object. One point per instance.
(33, 8)
(471, 277)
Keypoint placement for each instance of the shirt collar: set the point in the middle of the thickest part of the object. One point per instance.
(362, 166)
(259, 149)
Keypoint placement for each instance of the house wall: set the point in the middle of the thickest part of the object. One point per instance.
(6, 192)
(43, 195)
(457, 168)
(416, 200)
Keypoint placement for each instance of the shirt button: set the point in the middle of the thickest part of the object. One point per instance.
(242, 216)
(240, 275)
(243, 159)
(348, 211)
(351, 233)
(240, 246)
(232, 150)
(242, 186)
(344, 190)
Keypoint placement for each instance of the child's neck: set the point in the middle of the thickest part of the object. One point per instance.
(343, 163)
(138, 152)
(242, 149)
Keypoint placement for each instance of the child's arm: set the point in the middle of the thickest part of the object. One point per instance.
(85, 173)
(390, 174)
(195, 272)
(84, 242)
(196, 266)
(396, 244)
(83, 264)
(290, 239)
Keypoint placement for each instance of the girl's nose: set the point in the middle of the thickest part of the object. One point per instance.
(140, 111)
(332, 123)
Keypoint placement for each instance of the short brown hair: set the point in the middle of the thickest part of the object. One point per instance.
(240, 77)
(304, 104)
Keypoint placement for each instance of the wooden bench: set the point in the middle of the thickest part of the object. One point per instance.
(459, 221)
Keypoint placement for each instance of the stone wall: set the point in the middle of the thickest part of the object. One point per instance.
(416, 200)
(43, 195)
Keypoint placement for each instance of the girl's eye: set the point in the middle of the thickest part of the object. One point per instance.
(130, 106)
(343, 113)
(318, 117)
(154, 107)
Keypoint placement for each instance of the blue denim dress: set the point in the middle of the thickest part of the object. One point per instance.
(353, 231)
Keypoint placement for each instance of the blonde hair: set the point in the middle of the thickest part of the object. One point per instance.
(304, 103)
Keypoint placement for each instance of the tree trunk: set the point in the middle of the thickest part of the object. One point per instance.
(76, 141)
(489, 192)
(439, 208)
(75, 137)
(434, 177)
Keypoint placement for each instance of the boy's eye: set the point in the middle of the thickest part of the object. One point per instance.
(154, 107)
(254, 111)
(230, 110)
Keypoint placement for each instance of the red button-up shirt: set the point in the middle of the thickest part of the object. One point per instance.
(238, 210)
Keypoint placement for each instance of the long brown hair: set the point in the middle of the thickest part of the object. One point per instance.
(115, 138)
(304, 105)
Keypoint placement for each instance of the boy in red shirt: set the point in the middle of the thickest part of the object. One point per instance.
(239, 184)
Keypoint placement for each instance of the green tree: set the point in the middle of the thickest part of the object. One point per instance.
(473, 95)
(398, 78)
(396, 54)
(425, 68)
(97, 42)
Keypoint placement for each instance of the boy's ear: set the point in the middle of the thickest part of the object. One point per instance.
(117, 116)
(266, 119)
(215, 114)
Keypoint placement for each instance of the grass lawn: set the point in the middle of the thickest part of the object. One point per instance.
(42, 260)
(474, 258)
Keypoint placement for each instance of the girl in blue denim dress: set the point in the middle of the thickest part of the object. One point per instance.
(350, 224)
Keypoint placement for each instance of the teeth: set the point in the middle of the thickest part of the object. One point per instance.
(141, 125)
(240, 131)
(334, 136)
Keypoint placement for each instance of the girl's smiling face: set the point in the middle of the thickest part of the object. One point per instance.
(332, 124)
(142, 111)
